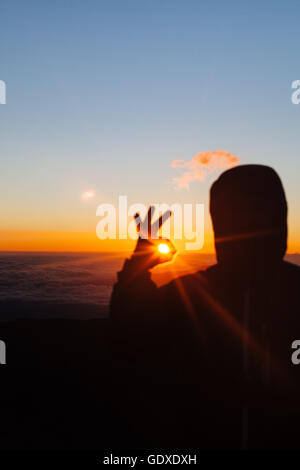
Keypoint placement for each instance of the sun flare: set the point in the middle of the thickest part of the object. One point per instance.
(163, 248)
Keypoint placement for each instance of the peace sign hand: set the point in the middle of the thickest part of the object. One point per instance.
(151, 249)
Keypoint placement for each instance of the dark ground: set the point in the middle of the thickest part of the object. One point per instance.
(71, 384)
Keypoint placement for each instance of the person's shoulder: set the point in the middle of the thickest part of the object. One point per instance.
(290, 269)
(189, 280)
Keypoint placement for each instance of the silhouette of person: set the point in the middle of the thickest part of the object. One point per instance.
(219, 340)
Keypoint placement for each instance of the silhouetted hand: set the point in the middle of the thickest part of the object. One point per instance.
(151, 251)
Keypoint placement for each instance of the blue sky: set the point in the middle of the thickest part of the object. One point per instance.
(105, 94)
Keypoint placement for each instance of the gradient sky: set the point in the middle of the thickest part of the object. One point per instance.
(104, 95)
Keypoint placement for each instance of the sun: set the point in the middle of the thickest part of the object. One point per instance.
(163, 248)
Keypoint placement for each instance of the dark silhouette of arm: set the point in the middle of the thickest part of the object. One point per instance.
(135, 296)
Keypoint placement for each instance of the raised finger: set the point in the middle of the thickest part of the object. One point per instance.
(159, 222)
(137, 221)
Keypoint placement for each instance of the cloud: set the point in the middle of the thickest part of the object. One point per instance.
(202, 164)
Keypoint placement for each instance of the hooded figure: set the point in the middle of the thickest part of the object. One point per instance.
(249, 215)
(223, 336)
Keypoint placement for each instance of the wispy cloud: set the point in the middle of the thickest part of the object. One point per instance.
(202, 164)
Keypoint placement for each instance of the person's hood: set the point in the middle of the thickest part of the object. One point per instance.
(249, 214)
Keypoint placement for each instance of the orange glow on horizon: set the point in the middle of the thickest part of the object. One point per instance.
(88, 242)
(61, 242)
